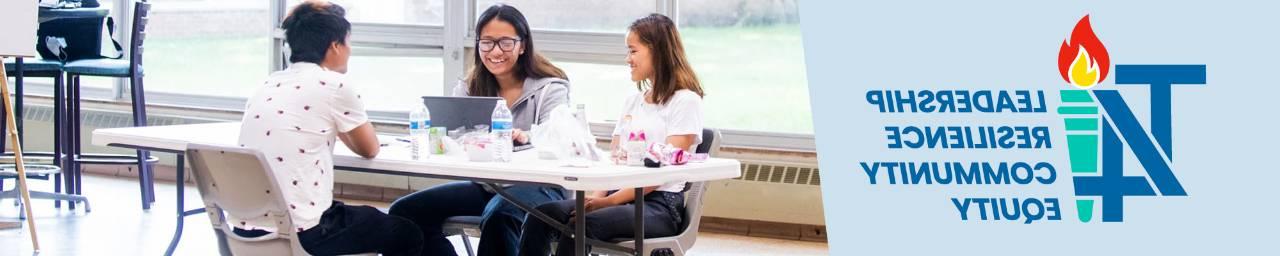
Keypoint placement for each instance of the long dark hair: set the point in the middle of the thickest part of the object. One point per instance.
(671, 70)
(530, 64)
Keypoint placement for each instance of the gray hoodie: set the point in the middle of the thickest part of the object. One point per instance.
(539, 96)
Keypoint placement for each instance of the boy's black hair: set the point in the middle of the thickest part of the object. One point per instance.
(312, 27)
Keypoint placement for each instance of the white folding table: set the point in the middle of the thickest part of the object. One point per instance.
(394, 160)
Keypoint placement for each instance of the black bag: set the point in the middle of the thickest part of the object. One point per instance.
(69, 39)
(69, 4)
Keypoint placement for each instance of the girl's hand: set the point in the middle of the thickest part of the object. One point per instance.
(619, 156)
(520, 136)
(594, 203)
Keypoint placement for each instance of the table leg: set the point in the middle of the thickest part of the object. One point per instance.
(639, 223)
(563, 228)
(224, 249)
(580, 224)
(144, 180)
(177, 232)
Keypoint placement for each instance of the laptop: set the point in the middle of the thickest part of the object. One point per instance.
(454, 112)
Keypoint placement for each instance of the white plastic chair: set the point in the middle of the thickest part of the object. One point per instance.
(682, 242)
(232, 180)
(679, 243)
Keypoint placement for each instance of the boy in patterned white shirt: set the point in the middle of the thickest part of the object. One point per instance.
(294, 118)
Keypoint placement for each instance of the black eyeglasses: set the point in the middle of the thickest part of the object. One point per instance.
(506, 44)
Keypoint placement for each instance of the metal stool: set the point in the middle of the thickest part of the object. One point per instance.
(30, 67)
(36, 171)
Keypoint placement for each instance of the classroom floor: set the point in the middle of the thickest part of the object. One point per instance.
(118, 226)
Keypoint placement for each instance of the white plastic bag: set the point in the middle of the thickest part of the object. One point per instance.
(563, 137)
(478, 143)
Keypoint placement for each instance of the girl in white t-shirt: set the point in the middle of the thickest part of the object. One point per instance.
(668, 109)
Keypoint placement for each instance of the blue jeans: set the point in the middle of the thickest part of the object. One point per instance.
(501, 224)
(663, 216)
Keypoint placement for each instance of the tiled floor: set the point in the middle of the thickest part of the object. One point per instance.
(118, 226)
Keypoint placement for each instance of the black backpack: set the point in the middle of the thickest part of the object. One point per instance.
(68, 39)
(71, 4)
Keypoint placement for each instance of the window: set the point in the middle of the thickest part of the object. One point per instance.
(750, 60)
(577, 15)
(395, 83)
(602, 88)
(204, 47)
(748, 54)
(417, 12)
(191, 42)
(391, 73)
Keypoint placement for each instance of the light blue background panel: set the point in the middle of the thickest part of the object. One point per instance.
(1224, 133)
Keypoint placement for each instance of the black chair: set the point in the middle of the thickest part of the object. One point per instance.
(710, 142)
(130, 68)
(48, 69)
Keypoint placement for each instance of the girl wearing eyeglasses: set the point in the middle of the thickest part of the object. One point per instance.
(509, 68)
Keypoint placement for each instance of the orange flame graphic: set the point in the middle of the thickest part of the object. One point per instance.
(1083, 60)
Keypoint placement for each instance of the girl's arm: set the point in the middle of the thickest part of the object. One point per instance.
(627, 195)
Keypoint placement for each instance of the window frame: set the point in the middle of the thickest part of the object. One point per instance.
(451, 42)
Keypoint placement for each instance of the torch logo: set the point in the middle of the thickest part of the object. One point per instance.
(1096, 121)
(1083, 60)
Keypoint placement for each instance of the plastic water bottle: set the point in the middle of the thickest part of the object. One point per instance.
(419, 122)
(502, 132)
(624, 128)
(581, 114)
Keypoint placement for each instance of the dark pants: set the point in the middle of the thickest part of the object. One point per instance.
(499, 229)
(662, 218)
(346, 229)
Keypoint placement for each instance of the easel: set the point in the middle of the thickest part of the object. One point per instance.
(19, 30)
(11, 128)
